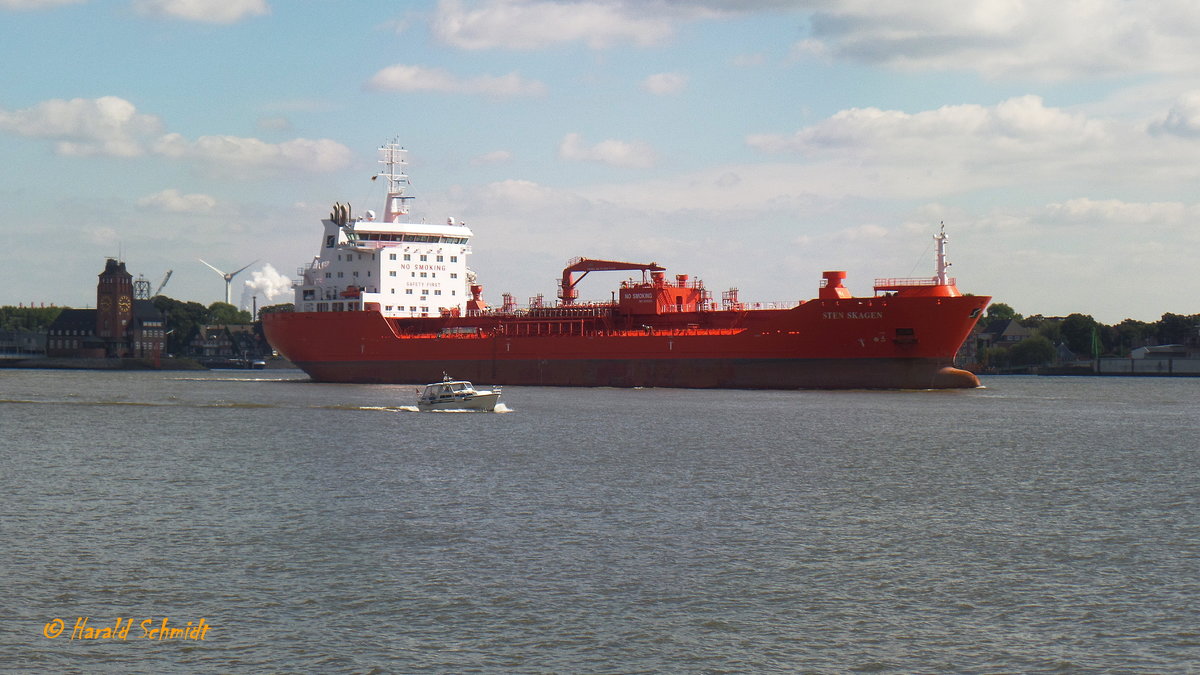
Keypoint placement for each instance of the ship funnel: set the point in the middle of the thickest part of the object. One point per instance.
(831, 285)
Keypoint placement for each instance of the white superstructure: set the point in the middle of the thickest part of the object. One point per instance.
(401, 269)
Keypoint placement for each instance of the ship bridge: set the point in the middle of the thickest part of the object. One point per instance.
(401, 269)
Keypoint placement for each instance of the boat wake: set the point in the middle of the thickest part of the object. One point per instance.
(241, 379)
(500, 408)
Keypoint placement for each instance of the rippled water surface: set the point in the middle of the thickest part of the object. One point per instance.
(1036, 525)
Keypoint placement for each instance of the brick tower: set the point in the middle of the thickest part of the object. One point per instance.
(114, 305)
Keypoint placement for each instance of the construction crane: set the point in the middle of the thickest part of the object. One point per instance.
(162, 284)
(566, 289)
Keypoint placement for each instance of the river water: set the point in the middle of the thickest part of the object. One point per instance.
(1034, 525)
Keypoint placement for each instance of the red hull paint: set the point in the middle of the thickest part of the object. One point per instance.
(881, 342)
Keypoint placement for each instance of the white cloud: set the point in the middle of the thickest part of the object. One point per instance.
(232, 151)
(102, 126)
(102, 236)
(529, 197)
(173, 201)
(1020, 146)
(665, 83)
(611, 152)
(205, 11)
(1013, 127)
(1095, 256)
(1183, 119)
(1115, 211)
(111, 126)
(419, 78)
(1046, 40)
(534, 24)
(963, 147)
(740, 189)
(998, 38)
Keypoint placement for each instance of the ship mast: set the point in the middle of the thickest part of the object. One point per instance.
(397, 201)
(942, 265)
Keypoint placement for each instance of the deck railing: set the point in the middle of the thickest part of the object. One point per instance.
(911, 282)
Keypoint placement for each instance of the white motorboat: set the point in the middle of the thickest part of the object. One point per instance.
(457, 395)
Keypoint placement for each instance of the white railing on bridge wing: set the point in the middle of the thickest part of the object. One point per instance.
(909, 282)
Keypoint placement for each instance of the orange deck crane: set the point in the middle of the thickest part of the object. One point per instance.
(566, 289)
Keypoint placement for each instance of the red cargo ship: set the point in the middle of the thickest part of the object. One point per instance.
(393, 302)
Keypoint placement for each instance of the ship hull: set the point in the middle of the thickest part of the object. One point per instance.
(855, 343)
(714, 373)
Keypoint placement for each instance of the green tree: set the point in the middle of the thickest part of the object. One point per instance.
(1032, 351)
(1176, 329)
(270, 309)
(183, 321)
(1051, 329)
(999, 310)
(28, 318)
(226, 314)
(1131, 334)
(1109, 340)
(996, 357)
(1077, 332)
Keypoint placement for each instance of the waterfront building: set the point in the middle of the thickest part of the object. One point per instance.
(120, 326)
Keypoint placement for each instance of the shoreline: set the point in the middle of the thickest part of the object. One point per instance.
(56, 363)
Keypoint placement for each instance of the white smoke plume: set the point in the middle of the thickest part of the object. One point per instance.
(268, 285)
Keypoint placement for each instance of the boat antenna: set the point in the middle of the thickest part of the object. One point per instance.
(942, 263)
(394, 161)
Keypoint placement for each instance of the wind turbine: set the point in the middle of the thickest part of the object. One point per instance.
(228, 279)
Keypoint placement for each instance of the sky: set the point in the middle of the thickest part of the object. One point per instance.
(752, 144)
